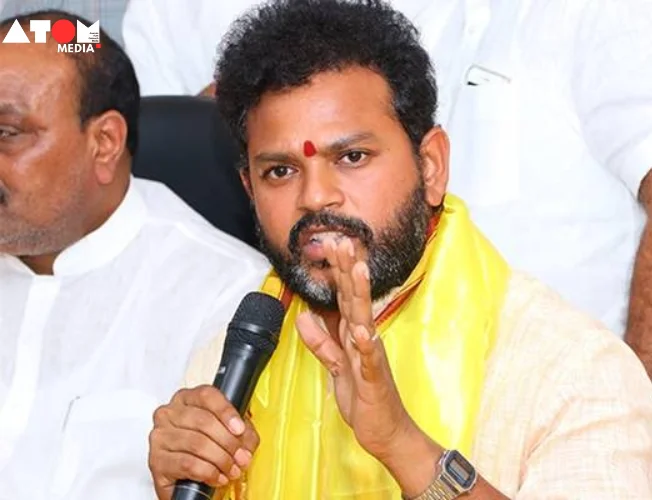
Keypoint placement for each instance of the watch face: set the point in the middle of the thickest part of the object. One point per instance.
(460, 470)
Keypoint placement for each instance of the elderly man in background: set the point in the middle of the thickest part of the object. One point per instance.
(108, 283)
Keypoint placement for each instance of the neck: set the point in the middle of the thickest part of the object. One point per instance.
(41, 264)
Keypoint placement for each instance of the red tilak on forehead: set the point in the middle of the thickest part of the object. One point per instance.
(309, 149)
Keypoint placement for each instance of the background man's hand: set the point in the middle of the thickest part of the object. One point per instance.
(199, 436)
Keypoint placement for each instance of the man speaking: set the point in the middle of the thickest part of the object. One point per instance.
(412, 362)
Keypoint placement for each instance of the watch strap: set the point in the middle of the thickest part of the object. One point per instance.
(438, 490)
(445, 485)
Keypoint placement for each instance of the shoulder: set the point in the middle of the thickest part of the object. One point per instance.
(166, 208)
(536, 319)
(548, 355)
(190, 253)
(560, 386)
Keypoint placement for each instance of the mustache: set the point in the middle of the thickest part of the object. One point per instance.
(350, 226)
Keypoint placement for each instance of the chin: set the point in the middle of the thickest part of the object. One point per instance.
(315, 286)
(320, 273)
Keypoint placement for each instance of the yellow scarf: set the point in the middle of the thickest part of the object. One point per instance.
(437, 332)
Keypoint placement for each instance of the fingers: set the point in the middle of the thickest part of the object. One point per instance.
(353, 285)
(211, 399)
(374, 366)
(199, 436)
(209, 449)
(361, 304)
(250, 442)
(331, 249)
(373, 363)
(205, 424)
(344, 257)
(321, 344)
(357, 329)
(180, 455)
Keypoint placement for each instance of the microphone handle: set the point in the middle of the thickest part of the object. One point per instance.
(192, 490)
(239, 372)
(236, 378)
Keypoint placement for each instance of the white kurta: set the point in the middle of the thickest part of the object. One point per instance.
(88, 353)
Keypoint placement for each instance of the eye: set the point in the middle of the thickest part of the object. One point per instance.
(278, 172)
(354, 158)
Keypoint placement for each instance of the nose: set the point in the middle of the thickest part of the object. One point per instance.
(320, 189)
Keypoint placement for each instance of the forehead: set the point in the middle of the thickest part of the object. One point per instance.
(35, 78)
(330, 104)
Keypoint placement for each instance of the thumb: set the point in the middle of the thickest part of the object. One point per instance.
(164, 492)
(321, 344)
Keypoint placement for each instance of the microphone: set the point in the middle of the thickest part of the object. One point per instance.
(251, 339)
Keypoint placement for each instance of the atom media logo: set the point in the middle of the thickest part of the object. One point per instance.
(63, 32)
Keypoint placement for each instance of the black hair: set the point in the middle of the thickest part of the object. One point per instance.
(282, 44)
(107, 77)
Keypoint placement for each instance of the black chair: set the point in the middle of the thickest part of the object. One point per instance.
(184, 144)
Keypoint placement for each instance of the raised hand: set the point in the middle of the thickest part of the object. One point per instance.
(364, 387)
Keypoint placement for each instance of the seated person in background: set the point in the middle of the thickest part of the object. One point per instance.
(152, 30)
(406, 335)
(107, 283)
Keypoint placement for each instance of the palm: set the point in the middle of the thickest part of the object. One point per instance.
(368, 402)
(363, 384)
(350, 400)
(362, 416)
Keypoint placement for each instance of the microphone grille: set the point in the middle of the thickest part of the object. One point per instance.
(263, 314)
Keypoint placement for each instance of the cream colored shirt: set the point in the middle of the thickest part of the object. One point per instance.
(566, 411)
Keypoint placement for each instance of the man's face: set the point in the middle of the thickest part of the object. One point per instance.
(44, 156)
(361, 180)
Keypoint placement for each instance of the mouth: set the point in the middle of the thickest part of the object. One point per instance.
(311, 242)
(319, 235)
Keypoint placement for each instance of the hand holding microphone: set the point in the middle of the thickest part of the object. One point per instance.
(199, 436)
(199, 441)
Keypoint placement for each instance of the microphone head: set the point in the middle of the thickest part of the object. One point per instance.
(257, 322)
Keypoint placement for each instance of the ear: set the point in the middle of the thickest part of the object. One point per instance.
(434, 152)
(245, 177)
(108, 133)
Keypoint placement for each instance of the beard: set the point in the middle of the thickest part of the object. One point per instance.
(393, 252)
(23, 234)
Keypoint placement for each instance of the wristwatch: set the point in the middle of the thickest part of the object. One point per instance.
(456, 477)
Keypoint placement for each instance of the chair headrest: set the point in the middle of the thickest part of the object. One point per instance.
(185, 145)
